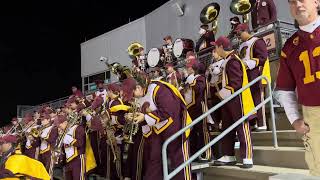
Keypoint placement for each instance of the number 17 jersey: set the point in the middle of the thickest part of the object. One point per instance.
(300, 67)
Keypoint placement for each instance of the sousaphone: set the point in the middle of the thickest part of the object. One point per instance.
(134, 50)
(243, 8)
(209, 14)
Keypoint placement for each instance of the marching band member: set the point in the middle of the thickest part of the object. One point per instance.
(234, 77)
(156, 74)
(194, 95)
(26, 168)
(173, 76)
(168, 50)
(117, 111)
(234, 21)
(253, 52)
(76, 91)
(263, 13)
(32, 144)
(165, 114)
(134, 163)
(94, 131)
(74, 148)
(139, 63)
(206, 36)
(101, 91)
(48, 137)
(215, 78)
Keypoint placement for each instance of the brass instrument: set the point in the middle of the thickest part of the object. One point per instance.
(106, 119)
(73, 119)
(130, 129)
(209, 14)
(242, 7)
(134, 53)
(134, 49)
(123, 72)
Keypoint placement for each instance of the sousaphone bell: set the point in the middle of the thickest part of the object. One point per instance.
(243, 8)
(209, 14)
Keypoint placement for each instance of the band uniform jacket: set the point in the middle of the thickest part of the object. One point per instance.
(30, 149)
(234, 77)
(264, 13)
(194, 94)
(204, 41)
(167, 107)
(48, 139)
(74, 142)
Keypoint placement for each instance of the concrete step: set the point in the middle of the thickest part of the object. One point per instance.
(258, 172)
(288, 157)
(287, 138)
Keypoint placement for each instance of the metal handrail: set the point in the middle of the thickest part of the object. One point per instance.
(168, 176)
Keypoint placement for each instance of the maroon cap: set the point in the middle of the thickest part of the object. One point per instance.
(80, 107)
(8, 139)
(48, 111)
(114, 87)
(222, 41)
(14, 119)
(190, 53)
(169, 65)
(45, 116)
(192, 63)
(167, 37)
(128, 86)
(60, 119)
(27, 118)
(73, 99)
(242, 27)
(201, 68)
(97, 102)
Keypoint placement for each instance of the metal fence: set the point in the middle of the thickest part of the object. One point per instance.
(168, 175)
(22, 109)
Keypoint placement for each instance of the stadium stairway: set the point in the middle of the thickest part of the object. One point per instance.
(268, 161)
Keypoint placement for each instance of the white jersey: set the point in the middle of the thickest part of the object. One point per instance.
(103, 94)
(45, 146)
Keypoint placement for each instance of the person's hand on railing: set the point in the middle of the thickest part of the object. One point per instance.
(300, 126)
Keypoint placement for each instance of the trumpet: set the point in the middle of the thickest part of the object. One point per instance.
(130, 129)
(110, 135)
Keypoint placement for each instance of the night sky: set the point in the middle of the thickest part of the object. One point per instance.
(40, 45)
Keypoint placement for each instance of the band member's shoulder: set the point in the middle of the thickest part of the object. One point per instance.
(292, 44)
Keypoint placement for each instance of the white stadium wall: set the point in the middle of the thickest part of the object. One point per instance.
(112, 45)
(150, 30)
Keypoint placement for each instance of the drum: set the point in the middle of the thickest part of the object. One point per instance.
(181, 47)
(154, 57)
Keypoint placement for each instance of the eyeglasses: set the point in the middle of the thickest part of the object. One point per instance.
(294, 2)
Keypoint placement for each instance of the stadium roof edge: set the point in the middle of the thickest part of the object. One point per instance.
(123, 26)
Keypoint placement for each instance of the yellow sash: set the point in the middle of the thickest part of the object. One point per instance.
(247, 101)
(120, 107)
(266, 72)
(90, 160)
(20, 164)
(178, 94)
